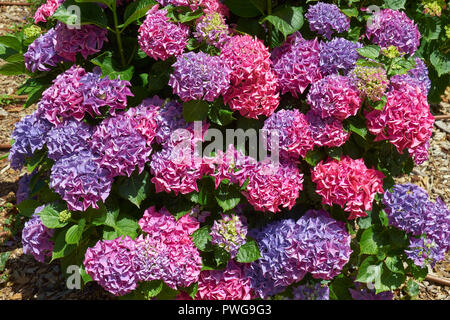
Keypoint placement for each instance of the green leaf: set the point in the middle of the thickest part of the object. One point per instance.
(151, 289)
(27, 207)
(390, 281)
(167, 293)
(313, 157)
(90, 13)
(84, 275)
(417, 272)
(400, 65)
(107, 217)
(189, 16)
(440, 62)
(261, 5)
(248, 252)
(221, 256)
(370, 270)
(50, 216)
(60, 248)
(370, 51)
(127, 227)
(135, 187)
(339, 288)
(11, 42)
(242, 8)
(359, 128)
(109, 68)
(195, 110)
(227, 196)
(394, 4)
(365, 223)
(394, 264)
(109, 3)
(136, 10)
(201, 238)
(286, 19)
(368, 244)
(33, 162)
(354, 34)
(3, 259)
(73, 234)
(350, 12)
(412, 288)
(12, 68)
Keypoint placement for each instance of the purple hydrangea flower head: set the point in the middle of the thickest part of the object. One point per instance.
(417, 76)
(29, 135)
(438, 227)
(337, 55)
(198, 76)
(311, 291)
(87, 40)
(80, 181)
(111, 264)
(169, 118)
(326, 132)
(23, 189)
(372, 82)
(325, 18)
(213, 29)
(67, 139)
(320, 245)
(360, 293)
(41, 53)
(393, 28)
(36, 237)
(425, 252)
(229, 233)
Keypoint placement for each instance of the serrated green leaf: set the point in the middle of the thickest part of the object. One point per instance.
(370, 270)
(136, 10)
(394, 264)
(370, 51)
(151, 289)
(248, 252)
(350, 12)
(368, 244)
(286, 19)
(412, 288)
(3, 259)
(50, 216)
(202, 238)
(440, 62)
(313, 157)
(135, 187)
(227, 196)
(73, 234)
(127, 227)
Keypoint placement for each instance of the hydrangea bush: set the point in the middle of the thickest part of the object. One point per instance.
(124, 184)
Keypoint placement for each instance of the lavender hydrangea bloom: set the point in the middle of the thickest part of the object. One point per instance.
(311, 291)
(168, 120)
(325, 18)
(198, 76)
(29, 135)
(41, 53)
(425, 252)
(229, 233)
(337, 55)
(67, 139)
(417, 76)
(438, 227)
(36, 237)
(80, 181)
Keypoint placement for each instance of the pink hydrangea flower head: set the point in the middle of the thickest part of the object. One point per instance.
(326, 132)
(334, 96)
(159, 38)
(46, 10)
(347, 183)
(144, 118)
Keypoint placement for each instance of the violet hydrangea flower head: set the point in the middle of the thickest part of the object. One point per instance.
(337, 55)
(23, 189)
(228, 284)
(46, 10)
(230, 233)
(67, 139)
(111, 264)
(29, 135)
(320, 244)
(213, 29)
(393, 28)
(334, 96)
(297, 64)
(80, 181)
(326, 132)
(417, 76)
(159, 38)
(326, 18)
(310, 291)
(36, 237)
(372, 82)
(87, 40)
(168, 119)
(198, 76)
(41, 53)
(424, 252)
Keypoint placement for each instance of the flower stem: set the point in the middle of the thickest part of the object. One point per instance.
(117, 32)
(269, 12)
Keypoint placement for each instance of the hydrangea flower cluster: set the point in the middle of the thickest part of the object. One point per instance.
(337, 55)
(311, 291)
(325, 19)
(372, 82)
(425, 252)
(326, 131)
(418, 76)
(23, 190)
(159, 38)
(46, 10)
(347, 183)
(393, 28)
(433, 7)
(36, 237)
(254, 86)
(297, 64)
(229, 232)
(212, 29)
(41, 53)
(198, 76)
(405, 121)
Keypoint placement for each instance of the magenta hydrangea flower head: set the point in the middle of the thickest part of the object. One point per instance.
(111, 264)
(405, 121)
(337, 55)
(41, 53)
(297, 64)
(67, 139)
(424, 252)
(310, 291)
(159, 38)
(326, 18)
(198, 76)
(36, 237)
(360, 293)
(347, 183)
(293, 131)
(229, 232)
(334, 96)
(372, 82)
(29, 135)
(254, 86)
(393, 28)
(418, 76)
(326, 132)
(87, 40)
(80, 181)
(273, 185)
(46, 10)
(320, 245)
(228, 284)
(144, 118)
(212, 29)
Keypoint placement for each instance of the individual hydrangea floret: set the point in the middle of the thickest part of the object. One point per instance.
(46, 10)
(424, 252)
(334, 96)
(326, 132)
(337, 55)
(311, 291)
(418, 76)
(36, 237)
(326, 18)
(347, 183)
(41, 53)
(212, 29)
(159, 38)
(87, 40)
(372, 82)
(198, 76)
(80, 181)
(67, 139)
(228, 284)
(229, 232)
(393, 28)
